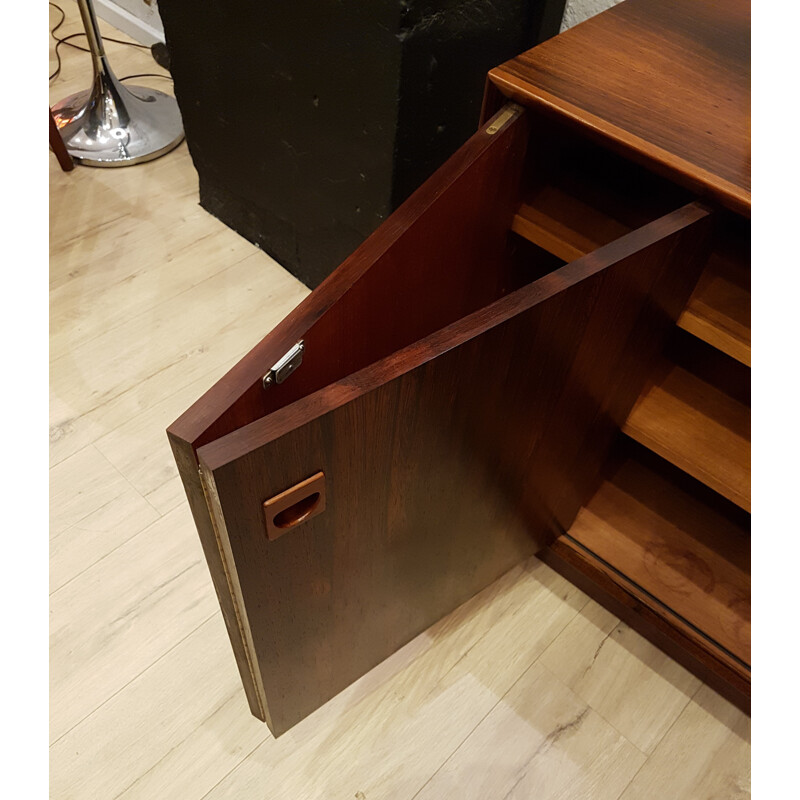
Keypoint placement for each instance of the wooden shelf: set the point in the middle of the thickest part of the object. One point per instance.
(698, 428)
(588, 197)
(689, 558)
(718, 311)
(563, 224)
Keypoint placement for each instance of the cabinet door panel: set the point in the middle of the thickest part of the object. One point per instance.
(443, 254)
(445, 463)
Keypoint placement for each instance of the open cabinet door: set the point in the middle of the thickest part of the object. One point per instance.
(456, 397)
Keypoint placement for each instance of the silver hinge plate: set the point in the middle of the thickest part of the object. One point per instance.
(283, 368)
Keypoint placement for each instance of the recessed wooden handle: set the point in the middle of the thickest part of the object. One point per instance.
(291, 508)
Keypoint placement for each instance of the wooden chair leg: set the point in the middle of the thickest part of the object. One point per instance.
(57, 146)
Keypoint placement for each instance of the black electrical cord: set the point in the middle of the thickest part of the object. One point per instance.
(66, 40)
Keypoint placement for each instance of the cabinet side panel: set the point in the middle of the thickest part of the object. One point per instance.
(437, 481)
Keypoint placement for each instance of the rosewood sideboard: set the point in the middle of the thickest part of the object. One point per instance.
(545, 350)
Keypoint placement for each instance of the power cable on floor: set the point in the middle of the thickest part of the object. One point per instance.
(67, 41)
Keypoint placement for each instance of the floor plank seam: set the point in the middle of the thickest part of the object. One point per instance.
(94, 510)
(213, 370)
(172, 749)
(126, 479)
(76, 525)
(461, 743)
(232, 770)
(499, 699)
(170, 298)
(134, 678)
(633, 777)
(648, 756)
(169, 509)
(104, 556)
(588, 704)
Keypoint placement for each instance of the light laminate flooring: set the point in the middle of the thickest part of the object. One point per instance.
(529, 690)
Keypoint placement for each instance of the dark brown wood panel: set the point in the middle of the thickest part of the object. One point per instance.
(441, 464)
(691, 556)
(441, 255)
(667, 83)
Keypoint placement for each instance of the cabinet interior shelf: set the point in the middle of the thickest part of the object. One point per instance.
(588, 197)
(570, 214)
(718, 311)
(686, 551)
(697, 427)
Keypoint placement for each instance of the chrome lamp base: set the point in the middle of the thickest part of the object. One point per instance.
(112, 125)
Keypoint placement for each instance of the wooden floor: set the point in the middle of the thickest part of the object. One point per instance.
(530, 690)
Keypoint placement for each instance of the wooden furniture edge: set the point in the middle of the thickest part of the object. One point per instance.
(652, 156)
(219, 568)
(577, 568)
(219, 452)
(703, 463)
(206, 410)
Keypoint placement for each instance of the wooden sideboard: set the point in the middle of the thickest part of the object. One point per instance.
(545, 350)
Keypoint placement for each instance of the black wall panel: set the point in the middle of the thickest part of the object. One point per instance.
(309, 122)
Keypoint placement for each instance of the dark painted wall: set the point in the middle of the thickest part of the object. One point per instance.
(309, 122)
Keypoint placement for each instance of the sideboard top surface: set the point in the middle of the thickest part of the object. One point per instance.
(667, 81)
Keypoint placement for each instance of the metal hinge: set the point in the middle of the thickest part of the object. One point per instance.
(509, 111)
(284, 367)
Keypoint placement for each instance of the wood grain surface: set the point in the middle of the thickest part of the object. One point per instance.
(668, 539)
(442, 254)
(699, 428)
(450, 434)
(637, 688)
(152, 299)
(667, 84)
(627, 601)
(718, 311)
(525, 768)
(711, 742)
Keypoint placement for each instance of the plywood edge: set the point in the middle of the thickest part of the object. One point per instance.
(239, 626)
(189, 470)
